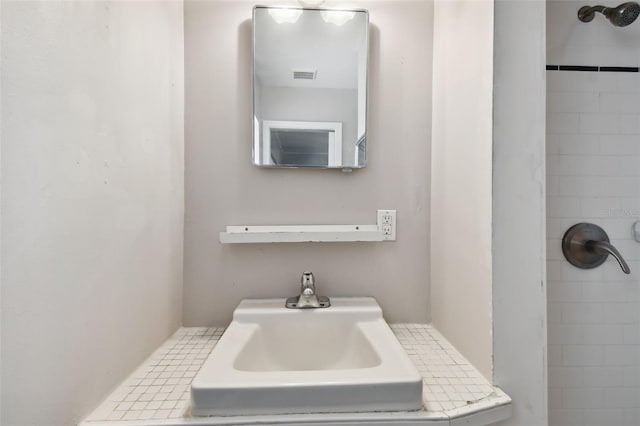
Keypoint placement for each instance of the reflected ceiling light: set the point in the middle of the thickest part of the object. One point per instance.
(310, 3)
(337, 17)
(285, 15)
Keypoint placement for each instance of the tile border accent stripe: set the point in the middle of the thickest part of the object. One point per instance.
(591, 68)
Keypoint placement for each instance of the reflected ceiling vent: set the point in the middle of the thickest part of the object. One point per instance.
(304, 74)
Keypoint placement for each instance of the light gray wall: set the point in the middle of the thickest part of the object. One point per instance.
(519, 281)
(301, 104)
(223, 188)
(461, 178)
(92, 199)
(593, 173)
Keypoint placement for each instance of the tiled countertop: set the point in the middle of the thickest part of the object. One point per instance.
(157, 393)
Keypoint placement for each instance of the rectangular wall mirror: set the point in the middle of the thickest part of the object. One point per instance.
(310, 87)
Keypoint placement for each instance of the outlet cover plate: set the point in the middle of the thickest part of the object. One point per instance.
(387, 224)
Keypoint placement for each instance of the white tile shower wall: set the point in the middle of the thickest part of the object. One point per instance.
(593, 169)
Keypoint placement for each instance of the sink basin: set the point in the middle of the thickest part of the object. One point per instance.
(274, 360)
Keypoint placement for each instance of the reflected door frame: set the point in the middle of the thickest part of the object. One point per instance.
(333, 130)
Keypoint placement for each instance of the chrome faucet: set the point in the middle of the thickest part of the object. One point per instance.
(308, 298)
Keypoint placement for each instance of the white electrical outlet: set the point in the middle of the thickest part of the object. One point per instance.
(387, 224)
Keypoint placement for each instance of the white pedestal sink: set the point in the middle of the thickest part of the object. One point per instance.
(274, 360)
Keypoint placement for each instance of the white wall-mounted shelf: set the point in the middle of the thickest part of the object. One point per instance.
(383, 230)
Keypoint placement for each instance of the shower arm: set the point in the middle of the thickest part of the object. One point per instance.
(603, 247)
(586, 13)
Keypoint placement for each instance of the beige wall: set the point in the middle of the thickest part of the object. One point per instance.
(223, 188)
(461, 178)
(92, 199)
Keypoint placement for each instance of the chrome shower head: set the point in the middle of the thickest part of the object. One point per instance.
(620, 16)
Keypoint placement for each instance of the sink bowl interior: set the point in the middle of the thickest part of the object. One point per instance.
(329, 345)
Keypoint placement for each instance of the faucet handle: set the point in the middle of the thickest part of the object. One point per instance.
(587, 246)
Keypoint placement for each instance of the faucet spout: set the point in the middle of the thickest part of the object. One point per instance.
(603, 247)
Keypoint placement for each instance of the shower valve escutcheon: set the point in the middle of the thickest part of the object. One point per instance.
(587, 246)
(308, 299)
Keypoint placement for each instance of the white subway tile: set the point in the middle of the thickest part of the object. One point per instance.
(628, 166)
(626, 83)
(582, 398)
(565, 334)
(619, 145)
(564, 291)
(631, 335)
(572, 273)
(574, 102)
(554, 355)
(603, 417)
(581, 186)
(566, 417)
(581, 313)
(568, 81)
(621, 397)
(620, 313)
(553, 185)
(602, 334)
(618, 186)
(573, 144)
(554, 312)
(598, 206)
(554, 249)
(593, 165)
(611, 271)
(631, 417)
(553, 165)
(619, 103)
(630, 207)
(566, 377)
(622, 355)
(599, 124)
(629, 124)
(555, 398)
(630, 249)
(618, 227)
(582, 355)
(609, 292)
(563, 207)
(553, 270)
(562, 123)
(632, 376)
(555, 228)
(603, 377)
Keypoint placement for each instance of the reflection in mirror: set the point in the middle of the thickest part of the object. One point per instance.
(309, 87)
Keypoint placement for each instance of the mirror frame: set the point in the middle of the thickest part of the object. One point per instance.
(253, 89)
